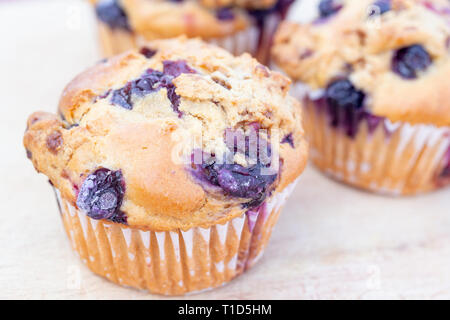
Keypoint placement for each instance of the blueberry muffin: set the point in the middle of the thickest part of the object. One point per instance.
(236, 25)
(373, 78)
(171, 164)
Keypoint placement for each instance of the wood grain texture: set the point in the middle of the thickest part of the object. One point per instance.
(331, 242)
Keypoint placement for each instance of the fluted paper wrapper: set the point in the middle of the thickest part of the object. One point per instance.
(255, 41)
(172, 262)
(381, 156)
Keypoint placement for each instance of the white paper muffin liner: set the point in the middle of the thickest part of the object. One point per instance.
(390, 158)
(172, 262)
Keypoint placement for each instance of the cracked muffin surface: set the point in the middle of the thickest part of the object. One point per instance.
(122, 145)
(394, 52)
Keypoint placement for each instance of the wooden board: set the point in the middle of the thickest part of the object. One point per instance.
(331, 241)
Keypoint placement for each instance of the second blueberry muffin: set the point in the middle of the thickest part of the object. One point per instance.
(171, 164)
(236, 25)
(373, 77)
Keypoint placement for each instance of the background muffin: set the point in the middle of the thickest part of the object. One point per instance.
(377, 95)
(153, 192)
(238, 26)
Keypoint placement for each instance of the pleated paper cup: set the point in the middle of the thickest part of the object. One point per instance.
(255, 40)
(172, 262)
(375, 154)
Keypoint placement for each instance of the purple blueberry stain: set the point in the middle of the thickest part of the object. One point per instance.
(111, 13)
(101, 195)
(409, 61)
(446, 171)
(254, 214)
(327, 8)
(343, 94)
(445, 174)
(289, 139)
(152, 81)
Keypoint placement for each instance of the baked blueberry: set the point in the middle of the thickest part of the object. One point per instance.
(111, 13)
(147, 52)
(101, 195)
(328, 8)
(235, 180)
(343, 94)
(152, 81)
(409, 61)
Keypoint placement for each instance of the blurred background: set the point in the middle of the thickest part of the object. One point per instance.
(331, 241)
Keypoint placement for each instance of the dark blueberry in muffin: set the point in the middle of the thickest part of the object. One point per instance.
(110, 12)
(380, 7)
(152, 81)
(147, 52)
(342, 94)
(238, 181)
(345, 105)
(225, 14)
(328, 8)
(101, 195)
(252, 182)
(409, 61)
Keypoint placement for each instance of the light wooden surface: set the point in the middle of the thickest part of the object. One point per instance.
(331, 241)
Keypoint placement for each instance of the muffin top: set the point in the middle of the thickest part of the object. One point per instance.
(390, 57)
(178, 135)
(156, 19)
